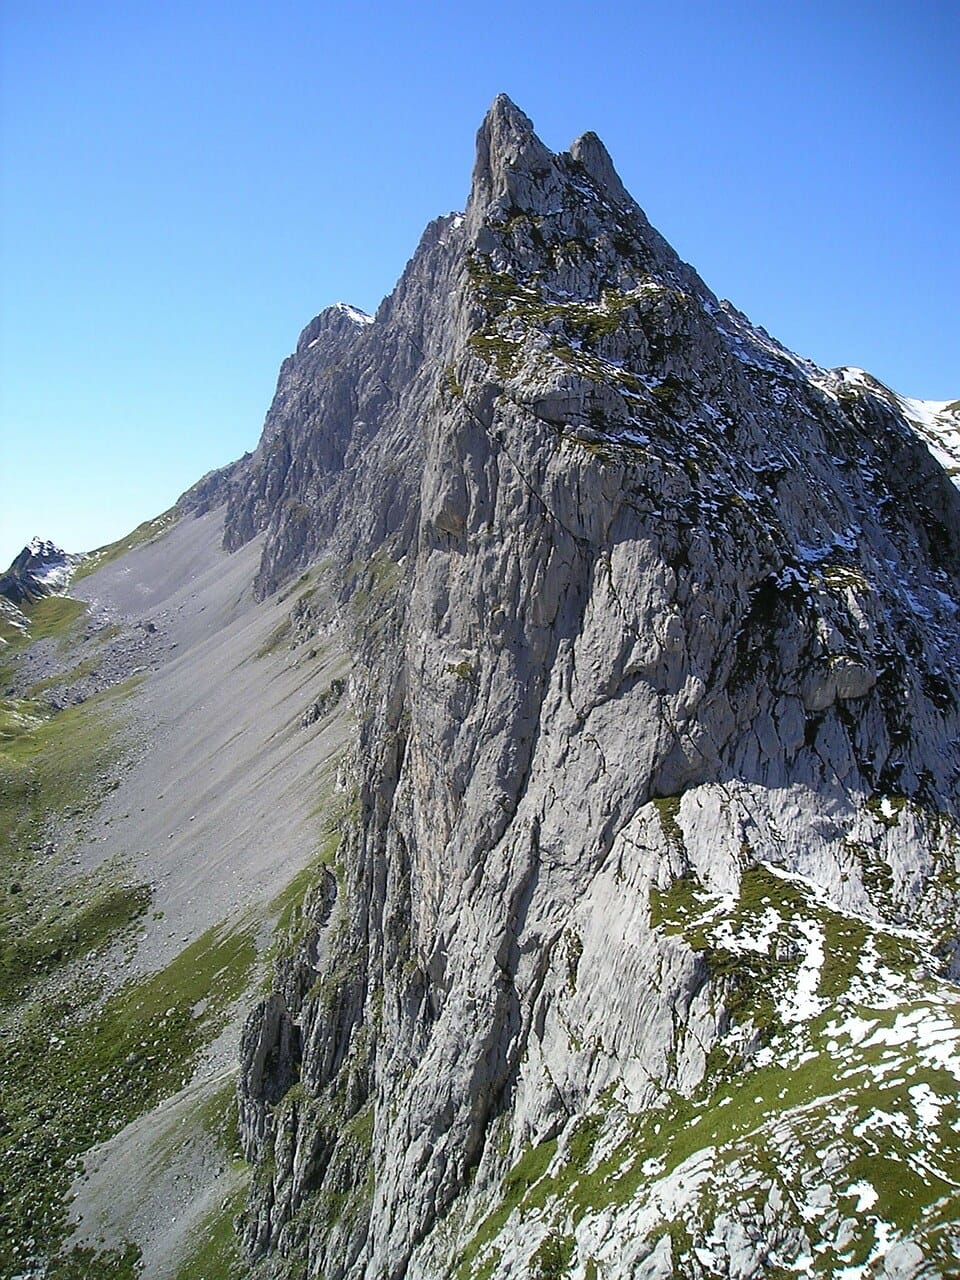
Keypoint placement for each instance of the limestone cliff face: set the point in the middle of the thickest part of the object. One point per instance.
(341, 454)
(656, 633)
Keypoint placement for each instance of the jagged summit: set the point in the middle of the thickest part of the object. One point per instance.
(42, 568)
(508, 141)
(43, 548)
(589, 151)
(504, 114)
(505, 131)
(508, 154)
(574, 194)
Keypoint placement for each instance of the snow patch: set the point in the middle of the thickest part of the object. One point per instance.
(866, 1195)
(803, 1003)
(926, 1104)
(353, 313)
(853, 1027)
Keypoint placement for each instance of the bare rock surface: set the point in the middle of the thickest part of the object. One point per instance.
(658, 634)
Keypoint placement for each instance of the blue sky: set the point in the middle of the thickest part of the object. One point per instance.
(182, 186)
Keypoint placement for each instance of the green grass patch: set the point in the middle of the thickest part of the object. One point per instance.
(375, 579)
(50, 934)
(552, 1259)
(55, 758)
(668, 811)
(55, 765)
(676, 908)
(52, 764)
(216, 1252)
(887, 808)
(83, 1262)
(217, 1116)
(53, 616)
(464, 671)
(525, 1185)
(577, 328)
(83, 669)
(104, 1062)
(277, 639)
(18, 717)
(289, 902)
(10, 633)
(816, 1100)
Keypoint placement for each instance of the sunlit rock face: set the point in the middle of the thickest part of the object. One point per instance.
(637, 957)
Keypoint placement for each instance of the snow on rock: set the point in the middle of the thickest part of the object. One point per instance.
(42, 568)
(937, 422)
(803, 1003)
(354, 313)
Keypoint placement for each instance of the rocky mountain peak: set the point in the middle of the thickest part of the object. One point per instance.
(40, 569)
(656, 627)
(589, 151)
(331, 325)
(508, 153)
(611, 708)
(565, 218)
(43, 549)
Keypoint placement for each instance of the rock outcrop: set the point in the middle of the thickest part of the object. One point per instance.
(40, 569)
(656, 778)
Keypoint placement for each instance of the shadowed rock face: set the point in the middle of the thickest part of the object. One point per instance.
(642, 599)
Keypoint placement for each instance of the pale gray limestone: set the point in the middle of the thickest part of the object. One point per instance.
(636, 595)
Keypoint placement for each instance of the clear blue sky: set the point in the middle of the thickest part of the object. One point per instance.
(185, 184)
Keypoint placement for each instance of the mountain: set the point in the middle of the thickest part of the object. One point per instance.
(584, 665)
(40, 569)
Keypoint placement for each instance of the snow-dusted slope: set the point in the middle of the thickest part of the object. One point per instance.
(42, 568)
(833, 1153)
(937, 422)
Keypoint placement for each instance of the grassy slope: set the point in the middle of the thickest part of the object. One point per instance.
(80, 1056)
(846, 1119)
(109, 1049)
